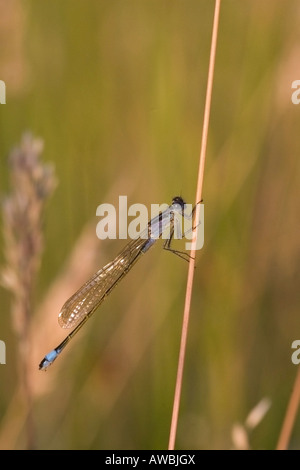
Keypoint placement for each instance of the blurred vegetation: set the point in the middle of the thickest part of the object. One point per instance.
(116, 91)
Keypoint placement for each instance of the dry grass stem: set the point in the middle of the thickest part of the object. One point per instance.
(190, 278)
(290, 415)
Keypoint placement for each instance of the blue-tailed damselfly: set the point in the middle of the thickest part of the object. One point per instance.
(81, 305)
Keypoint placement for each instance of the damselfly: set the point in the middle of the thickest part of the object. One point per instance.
(79, 308)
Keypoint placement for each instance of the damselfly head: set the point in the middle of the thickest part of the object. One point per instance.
(177, 200)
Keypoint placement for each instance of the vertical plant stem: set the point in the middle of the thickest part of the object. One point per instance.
(23, 311)
(32, 182)
(290, 415)
(190, 278)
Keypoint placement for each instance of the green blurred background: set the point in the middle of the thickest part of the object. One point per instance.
(116, 90)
